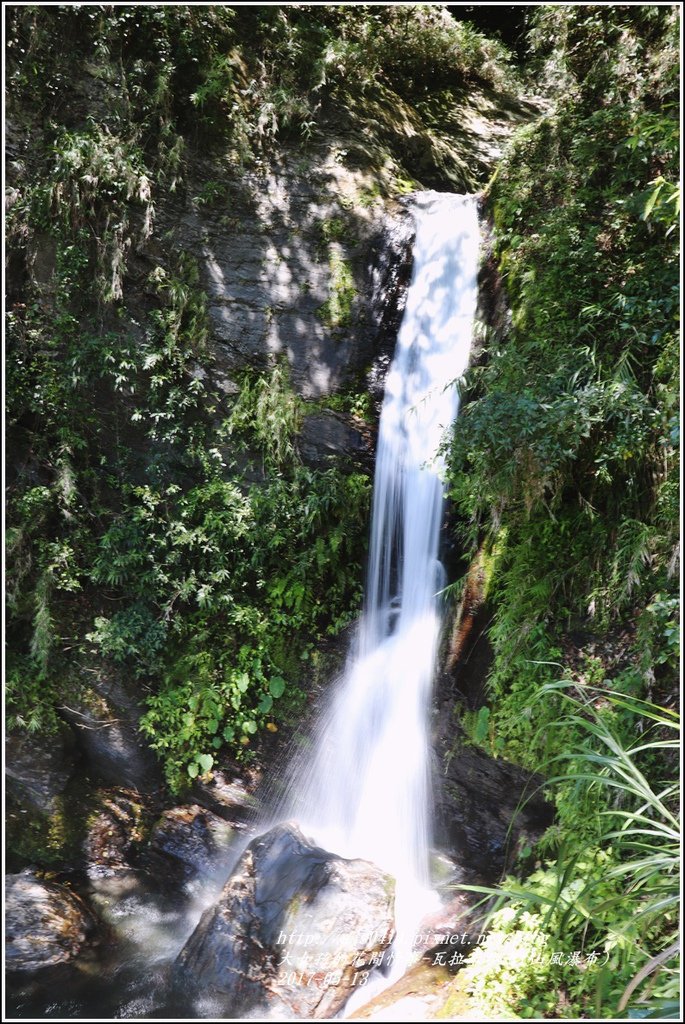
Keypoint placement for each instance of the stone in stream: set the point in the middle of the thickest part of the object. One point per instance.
(185, 842)
(116, 827)
(294, 930)
(230, 793)
(46, 924)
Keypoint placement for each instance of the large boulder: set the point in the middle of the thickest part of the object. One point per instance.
(293, 931)
(46, 923)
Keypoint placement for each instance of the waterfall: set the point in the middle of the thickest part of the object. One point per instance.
(365, 792)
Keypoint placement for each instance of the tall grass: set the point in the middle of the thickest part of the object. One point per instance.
(616, 892)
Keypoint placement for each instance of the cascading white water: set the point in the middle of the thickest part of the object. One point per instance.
(365, 792)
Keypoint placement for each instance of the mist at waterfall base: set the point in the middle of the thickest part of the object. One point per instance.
(365, 792)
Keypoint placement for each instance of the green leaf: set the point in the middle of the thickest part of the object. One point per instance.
(277, 686)
(213, 726)
(482, 722)
(250, 726)
(228, 733)
(651, 199)
(205, 761)
(193, 770)
(266, 703)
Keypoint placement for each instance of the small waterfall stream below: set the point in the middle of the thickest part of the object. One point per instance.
(366, 791)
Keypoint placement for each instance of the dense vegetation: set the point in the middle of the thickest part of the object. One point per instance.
(148, 516)
(565, 467)
(163, 527)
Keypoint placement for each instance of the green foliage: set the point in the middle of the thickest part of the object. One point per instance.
(243, 76)
(606, 58)
(30, 696)
(336, 311)
(220, 586)
(226, 586)
(568, 453)
(269, 413)
(358, 404)
(51, 839)
(566, 458)
(95, 178)
(242, 583)
(133, 634)
(612, 895)
(334, 230)
(129, 511)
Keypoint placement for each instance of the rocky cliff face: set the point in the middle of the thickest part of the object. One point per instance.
(295, 267)
(302, 264)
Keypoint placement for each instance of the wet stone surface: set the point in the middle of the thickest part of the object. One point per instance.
(46, 923)
(287, 906)
(184, 842)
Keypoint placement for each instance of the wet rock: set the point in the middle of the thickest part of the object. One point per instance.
(117, 827)
(446, 936)
(445, 873)
(38, 767)
(46, 923)
(392, 258)
(328, 437)
(230, 793)
(115, 831)
(417, 995)
(493, 313)
(469, 653)
(454, 926)
(185, 842)
(486, 808)
(293, 930)
(105, 718)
